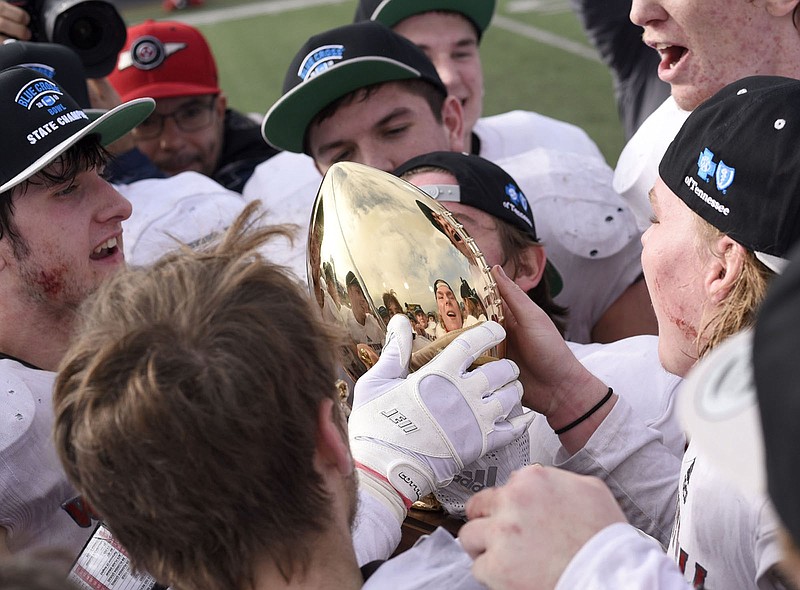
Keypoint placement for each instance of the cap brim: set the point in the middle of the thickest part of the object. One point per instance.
(391, 12)
(718, 408)
(554, 280)
(170, 90)
(110, 126)
(286, 122)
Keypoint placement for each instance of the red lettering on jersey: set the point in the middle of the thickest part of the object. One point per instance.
(81, 511)
(682, 557)
(700, 574)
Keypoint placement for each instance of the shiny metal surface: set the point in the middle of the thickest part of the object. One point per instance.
(379, 246)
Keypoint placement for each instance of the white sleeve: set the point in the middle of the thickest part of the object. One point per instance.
(435, 561)
(638, 468)
(375, 531)
(620, 558)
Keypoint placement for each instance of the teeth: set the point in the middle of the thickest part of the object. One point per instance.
(662, 46)
(107, 245)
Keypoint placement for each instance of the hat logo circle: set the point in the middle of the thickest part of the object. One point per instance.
(780, 124)
(147, 53)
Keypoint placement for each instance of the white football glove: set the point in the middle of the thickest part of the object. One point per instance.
(411, 434)
(493, 469)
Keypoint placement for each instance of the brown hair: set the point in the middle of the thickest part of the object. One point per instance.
(187, 408)
(85, 155)
(739, 308)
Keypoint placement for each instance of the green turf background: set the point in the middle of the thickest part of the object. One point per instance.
(520, 73)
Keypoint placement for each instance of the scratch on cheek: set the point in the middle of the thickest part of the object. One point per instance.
(51, 282)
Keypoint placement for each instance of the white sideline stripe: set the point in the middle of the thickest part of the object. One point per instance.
(545, 37)
(244, 11)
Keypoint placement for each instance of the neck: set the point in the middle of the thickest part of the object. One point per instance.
(331, 566)
(33, 335)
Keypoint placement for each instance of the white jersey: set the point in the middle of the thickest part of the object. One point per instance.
(508, 134)
(39, 508)
(722, 538)
(188, 207)
(718, 538)
(587, 230)
(637, 167)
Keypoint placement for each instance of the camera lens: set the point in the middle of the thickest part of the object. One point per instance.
(85, 33)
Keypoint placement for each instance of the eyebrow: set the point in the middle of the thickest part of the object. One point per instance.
(396, 113)
(651, 195)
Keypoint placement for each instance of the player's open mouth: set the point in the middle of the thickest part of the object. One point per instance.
(671, 55)
(104, 250)
(451, 314)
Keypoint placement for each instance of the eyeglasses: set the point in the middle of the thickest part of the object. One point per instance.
(190, 117)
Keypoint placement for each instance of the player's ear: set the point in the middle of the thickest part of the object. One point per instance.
(453, 121)
(333, 450)
(724, 269)
(530, 267)
(221, 104)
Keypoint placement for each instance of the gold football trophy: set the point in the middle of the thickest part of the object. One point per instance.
(379, 246)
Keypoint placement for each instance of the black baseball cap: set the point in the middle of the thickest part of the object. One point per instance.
(485, 186)
(56, 62)
(332, 65)
(735, 162)
(42, 121)
(391, 12)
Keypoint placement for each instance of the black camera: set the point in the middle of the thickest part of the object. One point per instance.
(91, 28)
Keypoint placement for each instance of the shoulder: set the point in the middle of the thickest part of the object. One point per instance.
(513, 132)
(286, 173)
(189, 207)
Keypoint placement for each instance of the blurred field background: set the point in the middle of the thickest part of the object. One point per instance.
(535, 56)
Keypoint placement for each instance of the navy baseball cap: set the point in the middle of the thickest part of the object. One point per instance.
(736, 164)
(332, 65)
(56, 62)
(41, 122)
(391, 12)
(485, 186)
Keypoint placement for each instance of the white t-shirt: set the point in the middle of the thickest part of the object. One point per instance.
(34, 492)
(637, 167)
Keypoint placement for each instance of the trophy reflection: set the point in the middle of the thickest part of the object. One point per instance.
(378, 247)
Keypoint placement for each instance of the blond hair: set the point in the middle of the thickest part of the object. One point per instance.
(739, 308)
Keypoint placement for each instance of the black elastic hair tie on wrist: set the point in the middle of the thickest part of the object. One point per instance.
(599, 405)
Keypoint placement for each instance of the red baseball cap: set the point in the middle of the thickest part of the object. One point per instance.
(164, 59)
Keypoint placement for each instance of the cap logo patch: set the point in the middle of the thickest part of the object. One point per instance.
(319, 60)
(147, 53)
(40, 92)
(705, 164)
(516, 196)
(724, 176)
(722, 173)
(516, 202)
